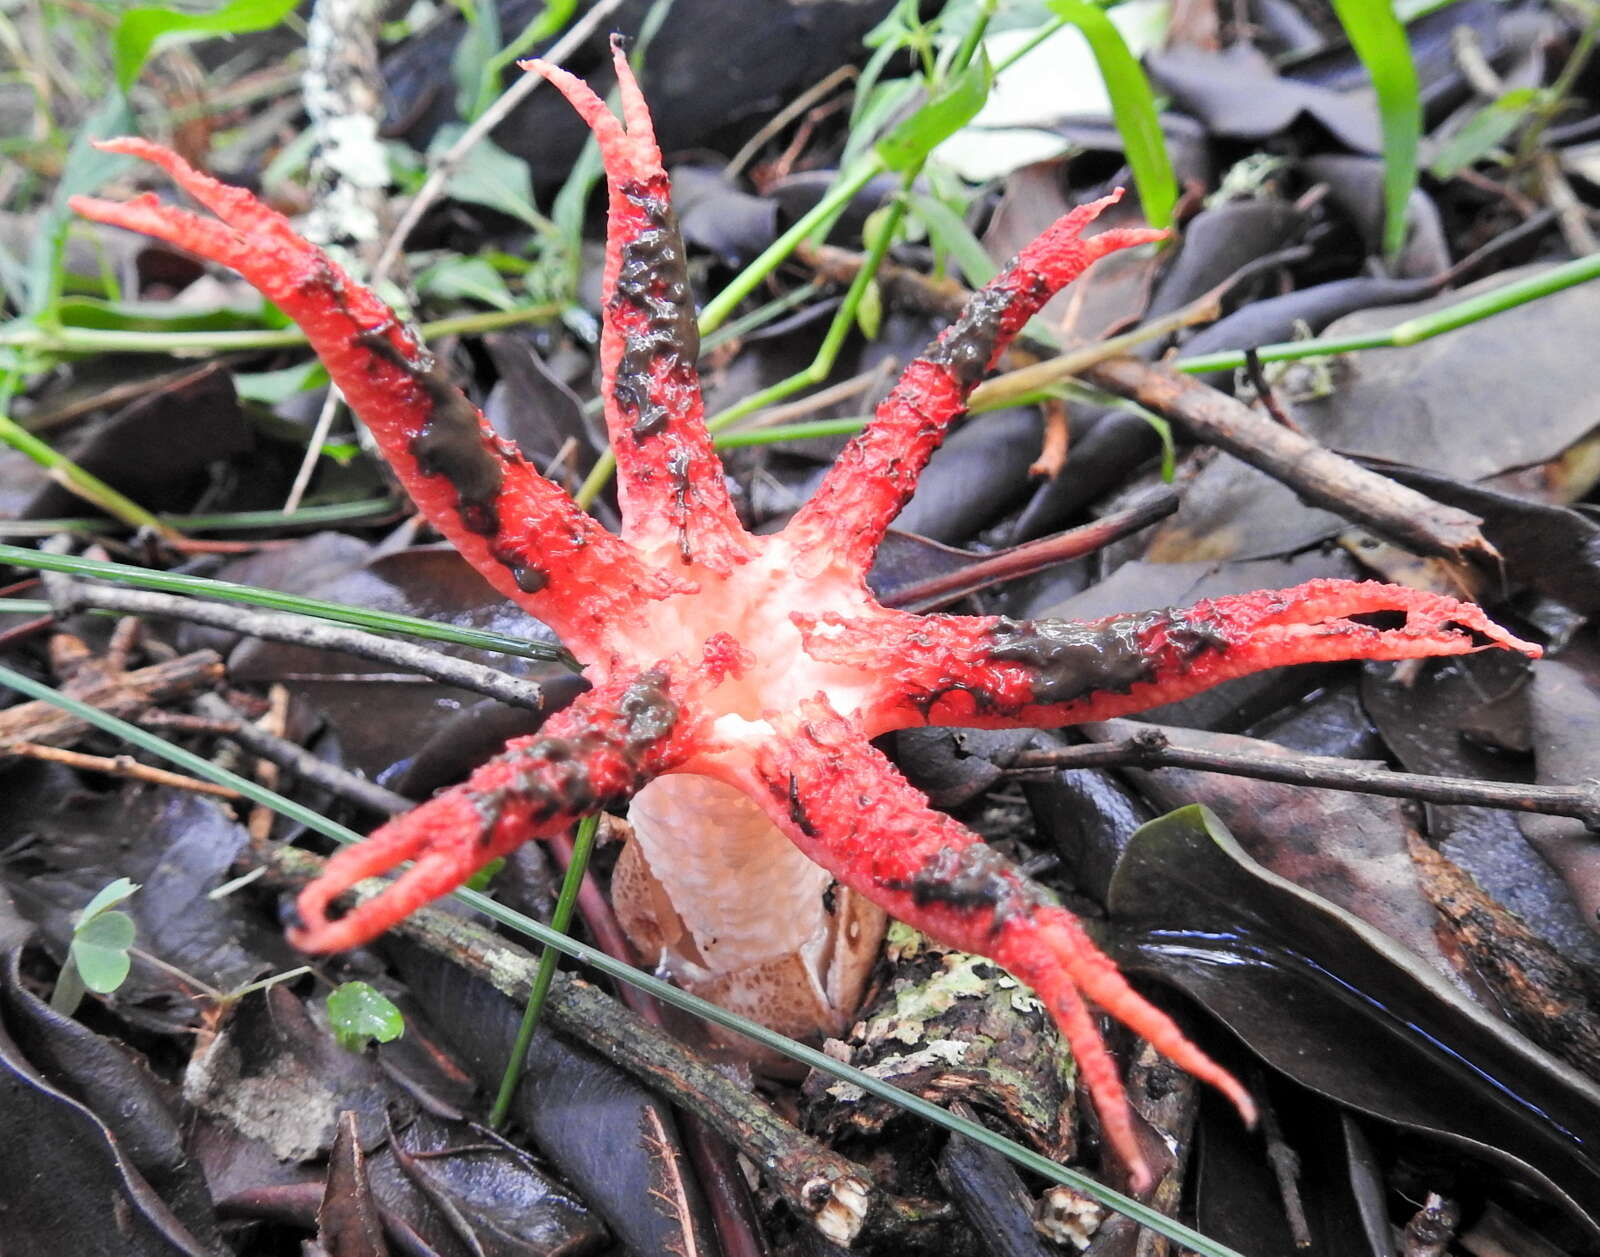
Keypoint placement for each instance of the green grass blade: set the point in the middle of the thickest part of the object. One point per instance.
(275, 600)
(908, 145)
(1133, 107)
(663, 991)
(561, 921)
(1379, 40)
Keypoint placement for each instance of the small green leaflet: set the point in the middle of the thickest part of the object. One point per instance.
(359, 1012)
(958, 104)
(142, 29)
(1133, 109)
(1483, 132)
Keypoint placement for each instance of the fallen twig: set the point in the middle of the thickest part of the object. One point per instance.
(1150, 748)
(1032, 556)
(223, 720)
(68, 595)
(118, 693)
(124, 766)
(1315, 472)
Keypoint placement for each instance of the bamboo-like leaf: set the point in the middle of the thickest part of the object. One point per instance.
(1379, 40)
(1133, 107)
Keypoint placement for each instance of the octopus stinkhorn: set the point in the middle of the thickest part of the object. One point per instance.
(763, 662)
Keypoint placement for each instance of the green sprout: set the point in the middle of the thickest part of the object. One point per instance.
(97, 958)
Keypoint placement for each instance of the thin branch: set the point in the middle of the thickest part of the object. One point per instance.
(297, 630)
(1320, 476)
(225, 721)
(124, 766)
(1034, 556)
(486, 122)
(1150, 748)
(120, 694)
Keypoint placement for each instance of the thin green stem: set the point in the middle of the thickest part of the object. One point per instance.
(275, 600)
(1554, 100)
(65, 339)
(760, 316)
(781, 432)
(718, 309)
(226, 521)
(1033, 41)
(844, 319)
(549, 959)
(663, 991)
(67, 473)
(974, 36)
(1416, 330)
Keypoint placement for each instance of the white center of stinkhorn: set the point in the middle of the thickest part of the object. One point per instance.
(753, 604)
(709, 889)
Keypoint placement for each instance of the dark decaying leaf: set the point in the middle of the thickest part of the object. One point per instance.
(348, 1224)
(1564, 722)
(155, 449)
(1221, 241)
(275, 1075)
(1430, 725)
(714, 63)
(611, 1139)
(376, 719)
(530, 406)
(1351, 849)
(117, 1089)
(1342, 1010)
(178, 846)
(954, 766)
(493, 1198)
(1238, 94)
(975, 477)
(1553, 549)
(1356, 187)
(67, 1184)
(1447, 404)
(719, 217)
(1088, 816)
(1239, 1201)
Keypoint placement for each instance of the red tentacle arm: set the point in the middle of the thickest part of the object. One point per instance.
(847, 808)
(593, 755)
(669, 479)
(523, 533)
(875, 474)
(992, 672)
